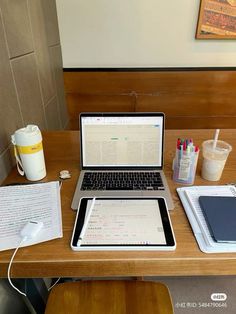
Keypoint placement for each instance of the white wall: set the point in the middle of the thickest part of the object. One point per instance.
(137, 33)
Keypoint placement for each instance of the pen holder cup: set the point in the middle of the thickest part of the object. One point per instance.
(184, 166)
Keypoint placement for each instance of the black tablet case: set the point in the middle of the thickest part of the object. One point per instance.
(220, 215)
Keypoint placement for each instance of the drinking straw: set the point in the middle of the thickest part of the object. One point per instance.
(216, 138)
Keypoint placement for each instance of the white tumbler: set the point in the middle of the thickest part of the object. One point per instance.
(28, 149)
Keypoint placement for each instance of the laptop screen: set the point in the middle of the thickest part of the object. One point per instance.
(122, 140)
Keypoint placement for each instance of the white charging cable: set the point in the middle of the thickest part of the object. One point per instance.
(54, 284)
(9, 267)
(30, 230)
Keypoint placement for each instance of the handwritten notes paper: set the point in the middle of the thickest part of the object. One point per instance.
(22, 203)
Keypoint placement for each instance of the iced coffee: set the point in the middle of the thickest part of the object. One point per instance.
(214, 159)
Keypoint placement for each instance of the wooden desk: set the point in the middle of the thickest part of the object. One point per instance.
(55, 258)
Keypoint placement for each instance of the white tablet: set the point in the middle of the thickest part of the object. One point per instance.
(124, 223)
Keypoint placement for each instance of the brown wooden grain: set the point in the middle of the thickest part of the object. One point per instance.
(110, 297)
(78, 103)
(55, 258)
(205, 81)
(205, 97)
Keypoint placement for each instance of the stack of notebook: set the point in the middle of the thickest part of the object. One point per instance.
(211, 211)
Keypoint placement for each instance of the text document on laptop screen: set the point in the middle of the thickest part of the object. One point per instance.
(132, 141)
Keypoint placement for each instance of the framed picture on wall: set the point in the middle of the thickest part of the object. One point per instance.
(217, 19)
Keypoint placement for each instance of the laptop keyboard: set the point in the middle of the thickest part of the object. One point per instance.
(122, 181)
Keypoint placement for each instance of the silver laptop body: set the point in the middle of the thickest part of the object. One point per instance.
(121, 142)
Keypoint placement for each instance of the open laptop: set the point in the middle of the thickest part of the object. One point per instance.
(121, 154)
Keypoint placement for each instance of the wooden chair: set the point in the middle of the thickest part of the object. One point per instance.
(110, 297)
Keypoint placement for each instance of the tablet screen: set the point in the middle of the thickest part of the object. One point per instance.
(124, 222)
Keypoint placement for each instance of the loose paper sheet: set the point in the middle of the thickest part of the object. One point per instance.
(22, 203)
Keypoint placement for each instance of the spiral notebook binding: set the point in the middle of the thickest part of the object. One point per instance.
(233, 190)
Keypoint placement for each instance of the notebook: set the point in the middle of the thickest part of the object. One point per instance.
(121, 154)
(220, 215)
(189, 197)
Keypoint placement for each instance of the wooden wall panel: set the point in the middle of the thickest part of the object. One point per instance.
(78, 103)
(149, 81)
(188, 104)
(191, 98)
(200, 122)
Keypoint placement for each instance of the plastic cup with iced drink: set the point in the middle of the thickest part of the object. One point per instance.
(215, 154)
